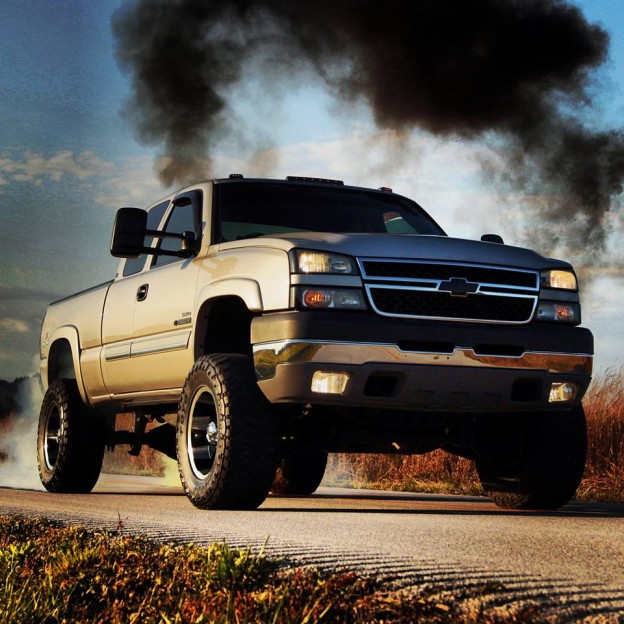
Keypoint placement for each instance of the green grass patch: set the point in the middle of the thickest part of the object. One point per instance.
(53, 573)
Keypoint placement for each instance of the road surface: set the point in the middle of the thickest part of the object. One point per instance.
(571, 560)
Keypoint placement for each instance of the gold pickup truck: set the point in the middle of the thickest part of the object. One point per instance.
(263, 324)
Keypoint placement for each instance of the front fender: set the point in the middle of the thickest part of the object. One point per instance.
(248, 290)
(68, 334)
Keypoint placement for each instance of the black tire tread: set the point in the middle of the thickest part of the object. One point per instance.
(300, 474)
(243, 472)
(552, 467)
(81, 447)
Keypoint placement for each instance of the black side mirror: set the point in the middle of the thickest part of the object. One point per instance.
(492, 238)
(129, 232)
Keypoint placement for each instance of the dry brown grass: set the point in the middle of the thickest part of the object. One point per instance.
(439, 472)
(5, 428)
(119, 461)
(604, 406)
(436, 472)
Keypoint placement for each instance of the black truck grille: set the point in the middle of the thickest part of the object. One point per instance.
(450, 291)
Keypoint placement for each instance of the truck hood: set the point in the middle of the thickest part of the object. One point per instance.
(417, 247)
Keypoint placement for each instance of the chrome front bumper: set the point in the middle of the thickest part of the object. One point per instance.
(418, 365)
(268, 356)
(459, 381)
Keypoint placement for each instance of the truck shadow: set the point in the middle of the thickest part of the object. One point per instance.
(415, 504)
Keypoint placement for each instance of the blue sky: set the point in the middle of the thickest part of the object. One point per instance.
(68, 160)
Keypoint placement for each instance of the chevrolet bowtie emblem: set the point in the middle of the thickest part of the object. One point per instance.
(458, 287)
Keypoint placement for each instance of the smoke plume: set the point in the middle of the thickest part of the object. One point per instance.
(516, 73)
(18, 441)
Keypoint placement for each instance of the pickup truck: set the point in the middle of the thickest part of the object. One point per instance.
(257, 325)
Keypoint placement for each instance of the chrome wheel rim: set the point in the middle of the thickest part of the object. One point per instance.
(52, 438)
(202, 434)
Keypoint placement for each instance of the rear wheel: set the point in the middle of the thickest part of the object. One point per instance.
(537, 460)
(70, 440)
(227, 435)
(300, 473)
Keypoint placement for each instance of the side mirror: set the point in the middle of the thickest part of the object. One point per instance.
(129, 232)
(492, 238)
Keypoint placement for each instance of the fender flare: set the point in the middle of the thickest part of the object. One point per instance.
(246, 289)
(70, 334)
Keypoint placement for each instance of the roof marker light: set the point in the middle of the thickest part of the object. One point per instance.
(385, 189)
(235, 176)
(317, 180)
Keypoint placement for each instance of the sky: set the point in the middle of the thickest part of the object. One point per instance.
(69, 157)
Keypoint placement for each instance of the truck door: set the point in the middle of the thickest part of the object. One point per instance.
(164, 304)
(118, 370)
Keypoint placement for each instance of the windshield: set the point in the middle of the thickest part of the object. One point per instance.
(250, 209)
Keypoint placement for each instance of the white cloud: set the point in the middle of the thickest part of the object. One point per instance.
(133, 182)
(13, 325)
(33, 168)
(130, 181)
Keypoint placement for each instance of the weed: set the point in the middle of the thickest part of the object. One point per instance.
(604, 406)
(118, 461)
(59, 574)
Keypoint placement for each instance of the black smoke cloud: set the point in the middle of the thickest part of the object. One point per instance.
(517, 70)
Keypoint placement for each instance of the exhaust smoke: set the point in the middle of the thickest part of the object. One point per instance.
(516, 74)
(18, 442)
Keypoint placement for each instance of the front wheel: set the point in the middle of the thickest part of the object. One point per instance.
(545, 466)
(70, 440)
(300, 473)
(227, 435)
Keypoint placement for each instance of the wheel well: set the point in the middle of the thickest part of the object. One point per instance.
(223, 326)
(60, 361)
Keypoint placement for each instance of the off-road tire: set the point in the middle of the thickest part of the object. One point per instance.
(227, 436)
(70, 440)
(300, 474)
(548, 467)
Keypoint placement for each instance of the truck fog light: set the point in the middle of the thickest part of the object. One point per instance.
(329, 383)
(563, 392)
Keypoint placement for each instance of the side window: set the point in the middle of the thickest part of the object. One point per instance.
(154, 217)
(185, 216)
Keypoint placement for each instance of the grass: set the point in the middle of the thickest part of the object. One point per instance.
(441, 473)
(118, 461)
(55, 574)
(604, 405)
(437, 472)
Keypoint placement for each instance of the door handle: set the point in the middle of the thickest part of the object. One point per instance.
(142, 292)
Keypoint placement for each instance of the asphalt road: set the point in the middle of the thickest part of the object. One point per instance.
(571, 560)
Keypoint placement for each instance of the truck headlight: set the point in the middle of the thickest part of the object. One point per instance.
(558, 278)
(322, 298)
(304, 261)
